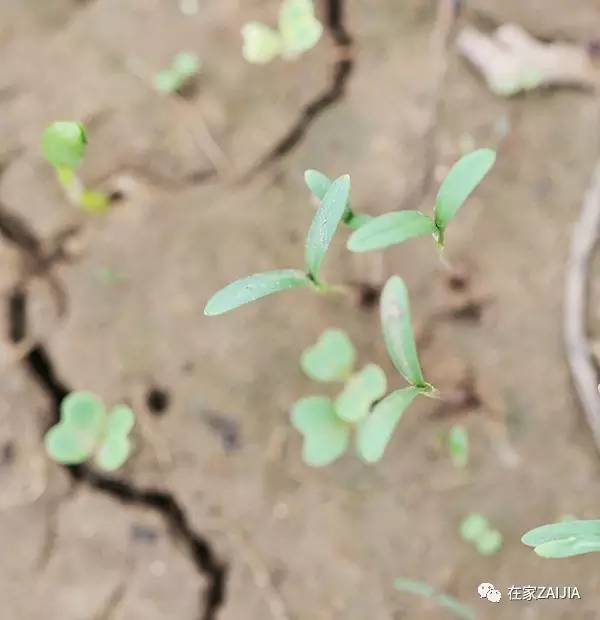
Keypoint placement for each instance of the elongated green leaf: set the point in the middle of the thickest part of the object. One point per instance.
(564, 539)
(390, 229)
(462, 179)
(326, 437)
(254, 287)
(360, 392)
(397, 331)
(325, 223)
(331, 359)
(458, 445)
(375, 431)
(445, 600)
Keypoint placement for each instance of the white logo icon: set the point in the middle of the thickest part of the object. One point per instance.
(487, 590)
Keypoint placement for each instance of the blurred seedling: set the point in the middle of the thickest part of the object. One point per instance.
(320, 234)
(298, 31)
(442, 599)
(86, 429)
(458, 445)
(64, 144)
(564, 539)
(398, 226)
(476, 529)
(361, 407)
(183, 69)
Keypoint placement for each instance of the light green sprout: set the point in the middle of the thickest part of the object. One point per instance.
(64, 145)
(319, 237)
(299, 30)
(564, 539)
(183, 68)
(361, 407)
(442, 599)
(85, 429)
(398, 226)
(476, 529)
(458, 445)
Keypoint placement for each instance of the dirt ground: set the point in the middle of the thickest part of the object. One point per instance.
(216, 516)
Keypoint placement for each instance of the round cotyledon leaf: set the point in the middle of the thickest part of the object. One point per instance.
(121, 421)
(254, 287)
(473, 527)
(360, 392)
(113, 452)
(261, 43)
(326, 437)
(331, 358)
(64, 144)
(300, 30)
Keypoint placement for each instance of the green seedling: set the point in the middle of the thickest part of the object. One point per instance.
(183, 68)
(64, 145)
(458, 446)
(564, 539)
(320, 234)
(442, 599)
(476, 529)
(85, 429)
(396, 227)
(361, 407)
(299, 31)
(318, 184)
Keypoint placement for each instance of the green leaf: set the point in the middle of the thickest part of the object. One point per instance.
(121, 421)
(445, 600)
(325, 223)
(186, 64)
(167, 81)
(376, 430)
(489, 543)
(64, 144)
(113, 453)
(261, 43)
(299, 28)
(462, 179)
(356, 220)
(390, 229)
(254, 287)
(331, 359)
(397, 331)
(83, 411)
(326, 437)
(458, 445)
(564, 539)
(473, 527)
(360, 392)
(94, 202)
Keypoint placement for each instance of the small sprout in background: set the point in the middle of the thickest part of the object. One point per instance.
(182, 70)
(320, 234)
(361, 406)
(85, 429)
(442, 599)
(458, 445)
(64, 145)
(564, 539)
(299, 31)
(476, 529)
(396, 227)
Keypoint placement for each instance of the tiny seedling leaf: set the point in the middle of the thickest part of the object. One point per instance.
(445, 600)
(375, 431)
(326, 437)
(473, 526)
(331, 358)
(360, 392)
(390, 229)
(489, 543)
(397, 331)
(462, 179)
(254, 287)
(64, 144)
(458, 445)
(184, 66)
(325, 223)
(299, 28)
(113, 453)
(261, 43)
(564, 539)
(94, 202)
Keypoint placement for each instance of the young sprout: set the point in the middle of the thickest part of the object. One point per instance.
(183, 68)
(458, 445)
(564, 539)
(86, 429)
(444, 600)
(320, 234)
(361, 406)
(396, 227)
(64, 144)
(476, 529)
(299, 30)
